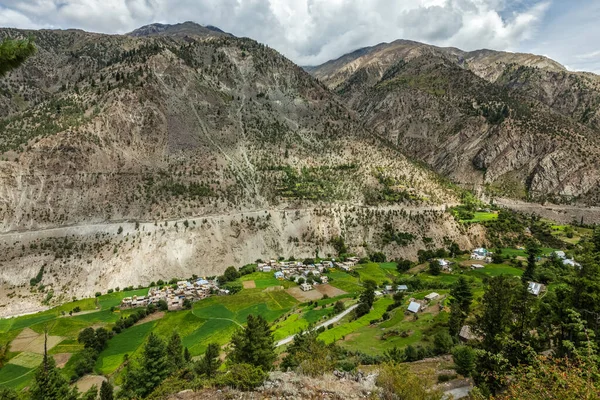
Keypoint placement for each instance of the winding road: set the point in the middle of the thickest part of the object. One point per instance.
(333, 320)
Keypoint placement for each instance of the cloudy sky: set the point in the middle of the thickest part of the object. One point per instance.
(313, 31)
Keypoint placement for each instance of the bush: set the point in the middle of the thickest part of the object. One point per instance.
(243, 377)
(445, 377)
(464, 359)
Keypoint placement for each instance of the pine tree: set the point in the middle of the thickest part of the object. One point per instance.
(48, 383)
(462, 294)
(210, 363)
(175, 352)
(152, 370)
(497, 315)
(532, 253)
(13, 53)
(106, 391)
(254, 344)
(186, 355)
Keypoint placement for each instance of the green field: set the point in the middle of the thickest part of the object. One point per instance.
(127, 342)
(266, 279)
(480, 216)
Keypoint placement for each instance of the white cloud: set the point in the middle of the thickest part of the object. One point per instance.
(307, 31)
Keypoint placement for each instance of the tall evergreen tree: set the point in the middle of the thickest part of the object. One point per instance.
(496, 318)
(210, 363)
(106, 391)
(462, 294)
(254, 344)
(48, 383)
(153, 368)
(175, 352)
(533, 251)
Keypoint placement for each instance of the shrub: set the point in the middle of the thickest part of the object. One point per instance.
(243, 377)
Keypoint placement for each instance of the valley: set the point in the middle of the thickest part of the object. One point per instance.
(406, 217)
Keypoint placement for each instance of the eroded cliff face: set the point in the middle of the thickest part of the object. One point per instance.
(80, 260)
(519, 125)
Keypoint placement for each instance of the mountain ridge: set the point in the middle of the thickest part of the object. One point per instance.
(511, 132)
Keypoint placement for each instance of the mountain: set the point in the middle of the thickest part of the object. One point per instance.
(180, 150)
(184, 29)
(517, 125)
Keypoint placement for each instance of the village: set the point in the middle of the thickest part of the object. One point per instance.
(176, 296)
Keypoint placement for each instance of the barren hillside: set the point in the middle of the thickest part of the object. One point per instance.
(186, 123)
(519, 125)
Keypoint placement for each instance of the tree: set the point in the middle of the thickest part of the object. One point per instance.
(48, 382)
(532, 253)
(231, 274)
(338, 307)
(403, 265)
(175, 352)
(87, 337)
(462, 294)
(13, 53)
(8, 394)
(209, 364)
(106, 391)
(254, 344)
(162, 305)
(496, 318)
(442, 343)
(378, 257)
(152, 370)
(464, 359)
(339, 245)
(457, 318)
(435, 268)
(367, 298)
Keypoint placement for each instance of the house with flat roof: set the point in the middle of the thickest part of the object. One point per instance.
(305, 287)
(535, 288)
(432, 296)
(414, 307)
(402, 288)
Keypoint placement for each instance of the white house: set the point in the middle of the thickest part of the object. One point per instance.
(266, 268)
(535, 288)
(477, 266)
(324, 279)
(432, 296)
(479, 254)
(402, 288)
(414, 307)
(279, 275)
(306, 287)
(571, 263)
(559, 254)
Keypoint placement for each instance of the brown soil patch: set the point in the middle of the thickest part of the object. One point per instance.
(329, 290)
(351, 336)
(249, 284)
(302, 296)
(84, 384)
(33, 342)
(152, 317)
(61, 359)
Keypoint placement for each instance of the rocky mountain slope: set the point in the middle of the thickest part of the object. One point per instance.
(518, 124)
(180, 150)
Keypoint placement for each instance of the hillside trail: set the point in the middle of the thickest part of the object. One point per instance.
(149, 226)
(333, 320)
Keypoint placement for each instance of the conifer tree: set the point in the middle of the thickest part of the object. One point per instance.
(210, 363)
(175, 352)
(13, 53)
(254, 344)
(48, 383)
(106, 391)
